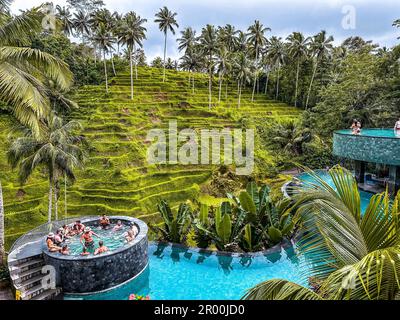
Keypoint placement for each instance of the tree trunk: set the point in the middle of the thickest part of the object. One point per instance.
(136, 72)
(266, 83)
(297, 82)
(131, 69)
(112, 64)
(105, 70)
(50, 202)
(165, 53)
(220, 88)
(255, 76)
(65, 197)
(210, 84)
(311, 83)
(240, 92)
(55, 203)
(2, 231)
(277, 82)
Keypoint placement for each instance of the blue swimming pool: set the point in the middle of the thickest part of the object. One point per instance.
(380, 133)
(178, 273)
(365, 196)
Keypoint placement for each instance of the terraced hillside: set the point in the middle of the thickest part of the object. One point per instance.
(117, 178)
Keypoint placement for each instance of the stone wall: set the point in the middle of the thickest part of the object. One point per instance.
(382, 150)
(77, 274)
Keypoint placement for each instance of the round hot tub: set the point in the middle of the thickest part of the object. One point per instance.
(92, 273)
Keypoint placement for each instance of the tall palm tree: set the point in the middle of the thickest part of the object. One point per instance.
(209, 44)
(2, 235)
(242, 72)
(320, 47)
(223, 65)
(81, 23)
(257, 40)
(228, 37)
(166, 22)
(23, 69)
(65, 17)
(57, 150)
(192, 61)
(352, 256)
(298, 50)
(104, 40)
(132, 33)
(187, 40)
(277, 54)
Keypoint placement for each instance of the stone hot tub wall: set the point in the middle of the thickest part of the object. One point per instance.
(77, 274)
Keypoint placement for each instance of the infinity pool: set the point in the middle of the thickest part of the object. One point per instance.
(381, 133)
(365, 196)
(178, 273)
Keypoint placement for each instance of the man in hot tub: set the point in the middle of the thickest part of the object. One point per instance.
(87, 238)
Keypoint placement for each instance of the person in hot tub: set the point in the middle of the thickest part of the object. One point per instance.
(87, 237)
(101, 249)
(104, 222)
(118, 226)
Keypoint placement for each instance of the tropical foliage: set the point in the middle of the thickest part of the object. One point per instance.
(353, 256)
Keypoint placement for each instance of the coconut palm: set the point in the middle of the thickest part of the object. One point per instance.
(23, 69)
(223, 64)
(257, 40)
(187, 40)
(2, 236)
(104, 40)
(166, 22)
(191, 61)
(228, 37)
(81, 23)
(65, 17)
(57, 150)
(320, 47)
(276, 53)
(298, 50)
(132, 33)
(352, 256)
(209, 44)
(242, 72)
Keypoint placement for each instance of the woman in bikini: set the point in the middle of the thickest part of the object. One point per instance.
(87, 238)
(51, 245)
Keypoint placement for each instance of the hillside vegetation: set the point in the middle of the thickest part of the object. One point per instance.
(117, 179)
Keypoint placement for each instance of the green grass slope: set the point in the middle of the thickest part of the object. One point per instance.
(117, 178)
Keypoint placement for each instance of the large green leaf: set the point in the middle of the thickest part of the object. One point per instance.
(248, 205)
(224, 229)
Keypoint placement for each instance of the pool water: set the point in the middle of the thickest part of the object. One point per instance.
(178, 273)
(385, 133)
(112, 240)
(364, 196)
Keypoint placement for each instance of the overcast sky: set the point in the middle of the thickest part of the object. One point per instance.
(373, 18)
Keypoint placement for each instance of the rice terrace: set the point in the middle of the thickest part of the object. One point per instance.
(156, 152)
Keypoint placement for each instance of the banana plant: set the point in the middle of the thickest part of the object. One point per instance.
(202, 238)
(266, 223)
(175, 227)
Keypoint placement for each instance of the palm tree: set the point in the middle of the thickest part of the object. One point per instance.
(257, 39)
(104, 40)
(65, 17)
(58, 151)
(208, 42)
(352, 256)
(23, 69)
(191, 61)
(320, 47)
(81, 24)
(228, 37)
(223, 65)
(276, 54)
(242, 72)
(298, 50)
(2, 236)
(290, 137)
(166, 22)
(187, 40)
(131, 34)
